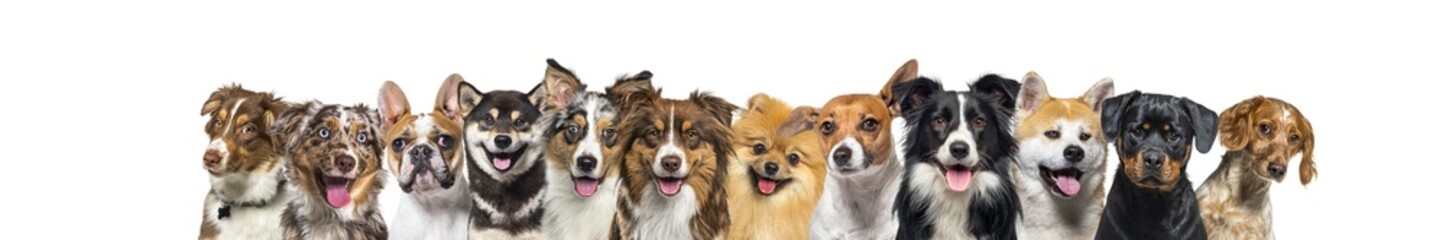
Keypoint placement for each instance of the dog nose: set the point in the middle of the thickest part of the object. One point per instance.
(1154, 160)
(212, 159)
(502, 141)
(421, 154)
(770, 168)
(1276, 170)
(959, 149)
(588, 163)
(842, 156)
(1073, 153)
(345, 163)
(672, 163)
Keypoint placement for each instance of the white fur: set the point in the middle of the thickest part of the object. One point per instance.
(497, 216)
(218, 143)
(1049, 215)
(858, 206)
(569, 215)
(251, 222)
(670, 148)
(662, 217)
(493, 233)
(437, 214)
(949, 209)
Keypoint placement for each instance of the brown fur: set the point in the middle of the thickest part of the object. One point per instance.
(309, 216)
(784, 214)
(1235, 199)
(251, 149)
(398, 120)
(559, 150)
(847, 113)
(703, 134)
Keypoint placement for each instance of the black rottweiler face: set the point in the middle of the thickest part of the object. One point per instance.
(1152, 134)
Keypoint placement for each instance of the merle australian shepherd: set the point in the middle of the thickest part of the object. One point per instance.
(957, 152)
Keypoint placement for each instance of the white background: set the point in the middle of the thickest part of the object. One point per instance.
(101, 99)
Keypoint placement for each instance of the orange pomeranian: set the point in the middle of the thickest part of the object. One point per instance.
(777, 172)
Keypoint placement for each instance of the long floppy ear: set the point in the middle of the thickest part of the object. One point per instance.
(392, 103)
(288, 128)
(1307, 138)
(908, 72)
(1111, 112)
(1097, 94)
(913, 95)
(1000, 91)
(801, 119)
(1207, 124)
(447, 98)
(1235, 130)
(467, 98)
(1032, 94)
(557, 89)
(214, 102)
(720, 109)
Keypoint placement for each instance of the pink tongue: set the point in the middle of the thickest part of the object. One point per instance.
(767, 185)
(670, 187)
(1066, 184)
(502, 163)
(585, 186)
(337, 195)
(958, 179)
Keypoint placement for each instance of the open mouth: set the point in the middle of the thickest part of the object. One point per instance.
(586, 186)
(1064, 181)
(957, 176)
(336, 190)
(767, 185)
(503, 161)
(670, 186)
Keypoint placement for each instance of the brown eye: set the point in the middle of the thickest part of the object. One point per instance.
(871, 125)
(608, 133)
(398, 144)
(758, 149)
(1084, 137)
(1264, 129)
(1174, 137)
(692, 134)
(793, 159)
(939, 123)
(1294, 138)
(653, 133)
(217, 124)
(246, 129)
(1137, 133)
(978, 123)
(444, 142)
(1052, 134)
(827, 128)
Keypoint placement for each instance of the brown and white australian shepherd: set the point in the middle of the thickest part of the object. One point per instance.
(335, 165)
(248, 191)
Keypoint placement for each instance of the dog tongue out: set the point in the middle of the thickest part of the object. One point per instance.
(670, 186)
(958, 178)
(1067, 185)
(502, 163)
(766, 185)
(337, 195)
(585, 186)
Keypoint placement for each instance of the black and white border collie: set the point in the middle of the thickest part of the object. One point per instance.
(957, 151)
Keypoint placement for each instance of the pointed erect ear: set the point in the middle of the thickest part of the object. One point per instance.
(1032, 94)
(1207, 124)
(757, 102)
(1235, 129)
(1097, 94)
(447, 101)
(999, 90)
(467, 98)
(1111, 112)
(801, 119)
(558, 87)
(908, 72)
(392, 103)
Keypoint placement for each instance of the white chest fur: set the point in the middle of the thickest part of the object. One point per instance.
(662, 217)
(441, 214)
(569, 216)
(249, 222)
(851, 209)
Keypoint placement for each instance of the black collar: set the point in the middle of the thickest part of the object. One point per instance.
(226, 206)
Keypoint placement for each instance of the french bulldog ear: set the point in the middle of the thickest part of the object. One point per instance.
(1206, 124)
(467, 98)
(392, 103)
(1032, 94)
(1235, 129)
(291, 124)
(801, 119)
(447, 100)
(913, 95)
(1307, 139)
(720, 109)
(1111, 112)
(1103, 89)
(999, 90)
(907, 72)
(557, 89)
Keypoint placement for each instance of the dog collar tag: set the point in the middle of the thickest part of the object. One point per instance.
(224, 212)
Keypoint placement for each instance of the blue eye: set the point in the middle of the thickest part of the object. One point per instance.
(361, 137)
(324, 133)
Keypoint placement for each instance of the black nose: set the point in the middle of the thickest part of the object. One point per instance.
(345, 163)
(959, 150)
(502, 141)
(842, 156)
(1073, 153)
(672, 163)
(421, 154)
(770, 168)
(1276, 170)
(586, 163)
(1154, 160)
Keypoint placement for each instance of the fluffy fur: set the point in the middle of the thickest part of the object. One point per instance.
(1260, 136)
(863, 171)
(777, 172)
(422, 151)
(582, 164)
(248, 191)
(337, 171)
(1059, 172)
(957, 155)
(674, 164)
(1151, 197)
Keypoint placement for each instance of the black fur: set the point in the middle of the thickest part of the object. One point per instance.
(507, 197)
(1132, 212)
(991, 100)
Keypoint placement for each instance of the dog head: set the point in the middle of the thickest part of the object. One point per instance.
(506, 129)
(959, 133)
(583, 138)
(1273, 131)
(856, 127)
(240, 145)
(421, 149)
(778, 145)
(334, 151)
(672, 142)
(1060, 139)
(1153, 133)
